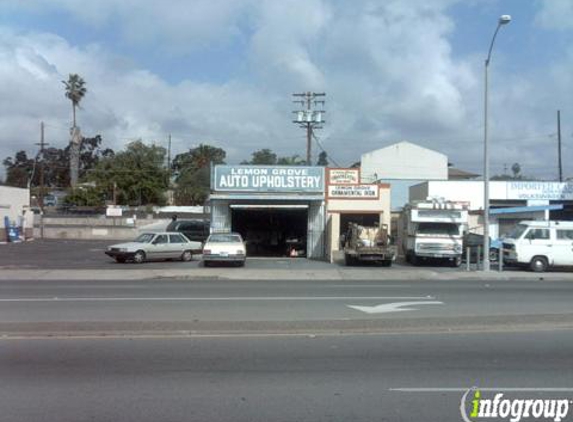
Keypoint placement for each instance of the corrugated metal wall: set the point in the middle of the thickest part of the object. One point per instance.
(316, 244)
(220, 215)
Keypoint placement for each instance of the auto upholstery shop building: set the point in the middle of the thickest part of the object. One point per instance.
(285, 210)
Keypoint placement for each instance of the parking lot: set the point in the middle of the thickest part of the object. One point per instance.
(89, 254)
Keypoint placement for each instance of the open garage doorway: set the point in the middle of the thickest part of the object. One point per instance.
(272, 231)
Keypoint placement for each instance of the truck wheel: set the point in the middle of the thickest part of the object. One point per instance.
(538, 264)
(387, 263)
(414, 260)
(456, 262)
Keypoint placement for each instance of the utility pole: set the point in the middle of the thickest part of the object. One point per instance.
(41, 144)
(169, 162)
(559, 145)
(309, 117)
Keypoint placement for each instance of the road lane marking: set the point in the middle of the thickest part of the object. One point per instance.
(392, 307)
(214, 299)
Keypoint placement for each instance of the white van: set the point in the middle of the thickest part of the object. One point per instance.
(539, 244)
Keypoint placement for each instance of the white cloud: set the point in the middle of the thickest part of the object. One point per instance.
(387, 68)
(555, 14)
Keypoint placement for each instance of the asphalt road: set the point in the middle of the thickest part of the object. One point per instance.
(170, 307)
(406, 377)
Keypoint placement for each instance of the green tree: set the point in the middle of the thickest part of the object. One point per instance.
(192, 173)
(293, 160)
(322, 159)
(262, 157)
(137, 174)
(20, 170)
(86, 196)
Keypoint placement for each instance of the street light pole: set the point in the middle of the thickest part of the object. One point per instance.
(504, 19)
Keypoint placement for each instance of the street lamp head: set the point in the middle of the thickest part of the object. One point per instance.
(503, 19)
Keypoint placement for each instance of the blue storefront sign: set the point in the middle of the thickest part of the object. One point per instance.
(268, 179)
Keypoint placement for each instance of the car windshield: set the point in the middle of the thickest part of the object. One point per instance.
(144, 238)
(439, 228)
(516, 232)
(221, 238)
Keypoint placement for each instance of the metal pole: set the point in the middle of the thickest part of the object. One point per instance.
(468, 258)
(559, 145)
(486, 266)
(504, 19)
(308, 128)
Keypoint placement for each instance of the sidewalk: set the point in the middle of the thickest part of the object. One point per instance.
(335, 273)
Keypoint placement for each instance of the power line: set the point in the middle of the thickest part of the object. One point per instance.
(323, 150)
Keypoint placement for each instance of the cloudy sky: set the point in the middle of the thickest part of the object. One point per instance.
(222, 72)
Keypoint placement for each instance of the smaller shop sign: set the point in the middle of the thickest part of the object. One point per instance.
(343, 176)
(539, 191)
(353, 192)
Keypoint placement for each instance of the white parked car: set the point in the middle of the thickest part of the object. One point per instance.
(154, 246)
(539, 245)
(224, 247)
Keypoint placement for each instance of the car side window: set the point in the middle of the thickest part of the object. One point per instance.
(538, 234)
(565, 234)
(175, 238)
(162, 238)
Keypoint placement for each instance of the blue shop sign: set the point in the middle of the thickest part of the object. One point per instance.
(268, 179)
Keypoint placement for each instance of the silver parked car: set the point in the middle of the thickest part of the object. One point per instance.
(154, 246)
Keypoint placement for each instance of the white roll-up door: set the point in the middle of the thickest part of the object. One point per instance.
(316, 231)
(220, 216)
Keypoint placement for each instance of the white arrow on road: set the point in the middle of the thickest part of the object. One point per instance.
(392, 307)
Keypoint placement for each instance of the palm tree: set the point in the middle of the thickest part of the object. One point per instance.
(75, 91)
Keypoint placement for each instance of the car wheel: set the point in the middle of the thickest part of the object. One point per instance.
(456, 262)
(119, 259)
(493, 254)
(538, 264)
(139, 257)
(206, 264)
(186, 256)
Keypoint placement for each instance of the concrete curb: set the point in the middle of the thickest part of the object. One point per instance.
(275, 274)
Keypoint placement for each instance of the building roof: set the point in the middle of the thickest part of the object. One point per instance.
(457, 174)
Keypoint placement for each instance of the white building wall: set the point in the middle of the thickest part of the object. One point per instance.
(12, 202)
(403, 160)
